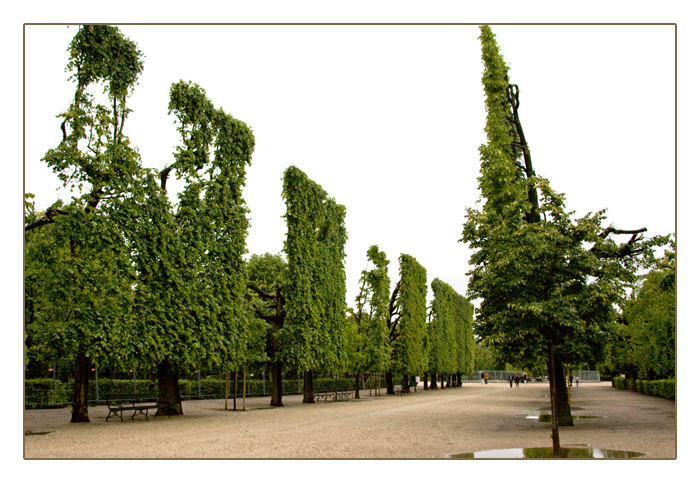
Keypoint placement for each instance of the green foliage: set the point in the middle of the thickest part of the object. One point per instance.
(539, 280)
(409, 350)
(664, 388)
(77, 264)
(645, 342)
(119, 273)
(485, 359)
(192, 276)
(367, 332)
(46, 392)
(78, 286)
(268, 272)
(442, 330)
(315, 287)
(464, 333)
(94, 150)
(41, 393)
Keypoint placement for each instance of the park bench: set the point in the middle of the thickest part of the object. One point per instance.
(400, 391)
(138, 403)
(332, 394)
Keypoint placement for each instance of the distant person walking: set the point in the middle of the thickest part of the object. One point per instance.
(577, 381)
(510, 379)
(517, 380)
(486, 378)
(482, 378)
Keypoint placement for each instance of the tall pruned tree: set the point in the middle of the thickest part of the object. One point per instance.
(442, 331)
(315, 287)
(85, 271)
(410, 358)
(450, 346)
(267, 275)
(466, 344)
(192, 278)
(368, 348)
(545, 294)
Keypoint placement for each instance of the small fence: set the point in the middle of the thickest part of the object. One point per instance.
(502, 376)
(51, 385)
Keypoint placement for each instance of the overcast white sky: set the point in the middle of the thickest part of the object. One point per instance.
(388, 119)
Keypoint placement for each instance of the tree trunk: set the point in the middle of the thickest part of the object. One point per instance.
(235, 388)
(80, 389)
(442, 381)
(404, 383)
(425, 381)
(563, 408)
(169, 398)
(357, 385)
(433, 381)
(277, 387)
(308, 387)
(274, 347)
(556, 447)
(389, 383)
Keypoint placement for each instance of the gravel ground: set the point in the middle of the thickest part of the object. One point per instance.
(422, 425)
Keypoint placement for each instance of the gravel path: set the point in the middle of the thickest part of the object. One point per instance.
(430, 424)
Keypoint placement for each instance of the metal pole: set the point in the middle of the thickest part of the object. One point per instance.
(263, 382)
(97, 385)
(245, 375)
(199, 386)
(228, 379)
(54, 382)
(134, 373)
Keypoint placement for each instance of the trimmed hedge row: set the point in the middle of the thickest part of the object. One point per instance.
(43, 393)
(664, 388)
(47, 392)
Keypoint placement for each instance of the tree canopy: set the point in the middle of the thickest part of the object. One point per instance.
(409, 351)
(549, 282)
(368, 337)
(315, 285)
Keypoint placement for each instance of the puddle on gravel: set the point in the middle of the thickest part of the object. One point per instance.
(547, 418)
(536, 453)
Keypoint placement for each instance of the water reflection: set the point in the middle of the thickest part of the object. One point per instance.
(536, 453)
(547, 418)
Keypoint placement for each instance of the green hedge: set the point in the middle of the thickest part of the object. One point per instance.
(41, 393)
(665, 388)
(44, 393)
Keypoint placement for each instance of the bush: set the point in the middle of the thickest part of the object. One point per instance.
(665, 388)
(39, 393)
(114, 387)
(42, 393)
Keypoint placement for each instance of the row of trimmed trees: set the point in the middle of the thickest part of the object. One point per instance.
(397, 334)
(119, 276)
(122, 278)
(386, 333)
